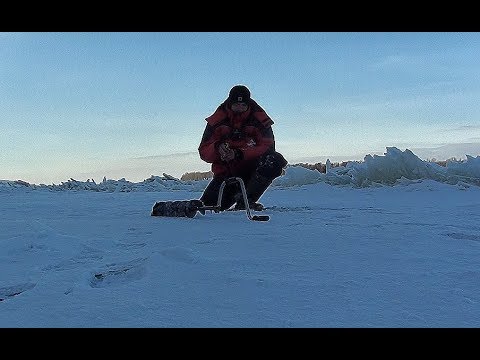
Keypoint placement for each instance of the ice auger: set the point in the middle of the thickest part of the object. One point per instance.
(189, 208)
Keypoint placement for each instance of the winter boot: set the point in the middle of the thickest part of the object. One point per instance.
(255, 206)
(255, 188)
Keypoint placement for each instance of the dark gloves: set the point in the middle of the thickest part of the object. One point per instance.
(227, 154)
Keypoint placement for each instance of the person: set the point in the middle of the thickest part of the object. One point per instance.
(238, 141)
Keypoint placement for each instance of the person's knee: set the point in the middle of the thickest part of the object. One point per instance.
(271, 165)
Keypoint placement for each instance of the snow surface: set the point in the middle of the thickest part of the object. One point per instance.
(392, 241)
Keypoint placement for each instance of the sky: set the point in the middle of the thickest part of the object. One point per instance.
(133, 104)
(396, 247)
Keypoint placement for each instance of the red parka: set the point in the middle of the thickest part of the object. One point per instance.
(249, 134)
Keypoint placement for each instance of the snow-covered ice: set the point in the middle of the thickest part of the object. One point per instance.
(392, 241)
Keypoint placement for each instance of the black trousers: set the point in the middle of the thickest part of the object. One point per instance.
(257, 180)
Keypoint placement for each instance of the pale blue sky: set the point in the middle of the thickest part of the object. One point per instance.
(133, 104)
